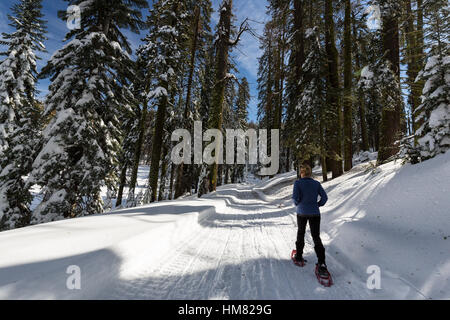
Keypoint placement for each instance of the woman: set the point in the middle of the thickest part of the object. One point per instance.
(305, 196)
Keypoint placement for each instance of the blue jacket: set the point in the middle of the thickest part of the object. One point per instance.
(305, 196)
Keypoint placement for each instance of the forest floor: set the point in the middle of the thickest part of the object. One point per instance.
(236, 243)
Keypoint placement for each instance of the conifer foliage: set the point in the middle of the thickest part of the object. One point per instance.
(434, 111)
(333, 77)
(19, 112)
(88, 94)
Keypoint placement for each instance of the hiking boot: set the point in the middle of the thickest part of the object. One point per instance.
(299, 259)
(323, 271)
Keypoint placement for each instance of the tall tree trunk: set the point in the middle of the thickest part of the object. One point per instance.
(419, 54)
(227, 174)
(277, 81)
(333, 101)
(223, 44)
(414, 98)
(270, 100)
(172, 177)
(390, 127)
(288, 159)
(159, 130)
(361, 101)
(282, 46)
(348, 116)
(123, 181)
(298, 50)
(179, 187)
(162, 186)
(299, 44)
(138, 149)
(157, 143)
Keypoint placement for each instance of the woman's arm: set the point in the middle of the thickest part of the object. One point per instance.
(323, 196)
(296, 194)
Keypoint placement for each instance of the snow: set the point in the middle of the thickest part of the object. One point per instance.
(440, 116)
(236, 243)
(158, 92)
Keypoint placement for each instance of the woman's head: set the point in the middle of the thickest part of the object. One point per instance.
(305, 171)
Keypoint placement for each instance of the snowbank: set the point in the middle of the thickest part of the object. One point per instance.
(398, 218)
(236, 243)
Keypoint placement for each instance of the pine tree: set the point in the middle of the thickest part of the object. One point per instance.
(294, 73)
(224, 43)
(391, 121)
(163, 48)
(333, 132)
(381, 88)
(433, 114)
(88, 95)
(242, 103)
(359, 42)
(19, 130)
(198, 39)
(310, 110)
(348, 100)
(266, 79)
(241, 122)
(130, 127)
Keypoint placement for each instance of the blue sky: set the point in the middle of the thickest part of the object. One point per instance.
(245, 55)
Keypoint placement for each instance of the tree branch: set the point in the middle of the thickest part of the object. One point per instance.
(243, 28)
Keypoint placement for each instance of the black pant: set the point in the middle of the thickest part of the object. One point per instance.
(314, 225)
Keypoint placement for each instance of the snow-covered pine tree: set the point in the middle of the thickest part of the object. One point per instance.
(433, 136)
(334, 129)
(381, 88)
(392, 126)
(230, 120)
(88, 94)
(241, 114)
(203, 106)
(130, 127)
(207, 85)
(140, 91)
(242, 102)
(163, 50)
(310, 110)
(19, 130)
(359, 39)
(199, 36)
(224, 44)
(265, 79)
(297, 57)
(370, 51)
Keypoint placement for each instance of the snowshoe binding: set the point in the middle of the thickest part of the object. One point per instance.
(323, 275)
(300, 263)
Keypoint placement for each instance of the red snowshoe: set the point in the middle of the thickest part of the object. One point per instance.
(323, 276)
(297, 263)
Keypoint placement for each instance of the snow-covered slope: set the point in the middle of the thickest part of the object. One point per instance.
(235, 243)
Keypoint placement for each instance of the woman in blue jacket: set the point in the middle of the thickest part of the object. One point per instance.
(305, 196)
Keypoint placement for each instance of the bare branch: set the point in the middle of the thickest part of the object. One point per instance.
(243, 28)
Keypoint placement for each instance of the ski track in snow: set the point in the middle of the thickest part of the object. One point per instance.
(236, 243)
(240, 252)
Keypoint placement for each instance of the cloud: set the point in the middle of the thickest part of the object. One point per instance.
(249, 48)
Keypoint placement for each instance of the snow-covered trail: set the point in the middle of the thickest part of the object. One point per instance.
(236, 243)
(240, 250)
(233, 244)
